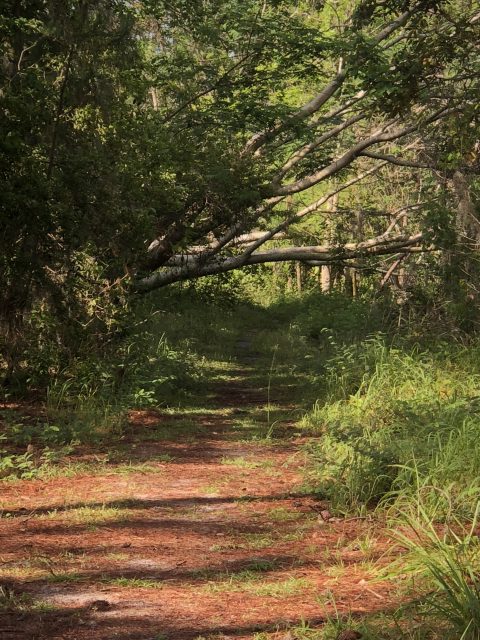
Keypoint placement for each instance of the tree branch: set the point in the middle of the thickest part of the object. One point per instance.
(391, 271)
(349, 156)
(259, 139)
(311, 208)
(193, 267)
(401, 162)
(306, 150)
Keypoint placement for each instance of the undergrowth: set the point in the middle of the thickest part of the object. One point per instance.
(396, 415)
(398, 420)
(176, 349)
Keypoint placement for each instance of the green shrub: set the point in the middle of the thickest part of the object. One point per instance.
(387, 407)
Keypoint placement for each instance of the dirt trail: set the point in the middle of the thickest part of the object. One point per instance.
(211, 536)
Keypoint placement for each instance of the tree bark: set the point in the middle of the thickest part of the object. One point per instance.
(298, 272)
(325, 278)
(468, 224)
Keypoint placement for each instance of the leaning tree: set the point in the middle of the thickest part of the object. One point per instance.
(149, 142)
(283, 106)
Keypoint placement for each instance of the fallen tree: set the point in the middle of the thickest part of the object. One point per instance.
(294, 153)
(155, 142)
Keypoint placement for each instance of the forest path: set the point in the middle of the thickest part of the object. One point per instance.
(201, 530)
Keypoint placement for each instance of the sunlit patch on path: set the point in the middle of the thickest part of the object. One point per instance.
(206, 534)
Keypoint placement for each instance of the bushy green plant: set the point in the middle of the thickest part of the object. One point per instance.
(20, 465)
(385, 407)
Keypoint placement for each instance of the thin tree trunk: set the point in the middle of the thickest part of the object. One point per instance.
(354, 280)
(153, 95)
(348, 282)
(468, 224)
(325, 278)
(298, 271)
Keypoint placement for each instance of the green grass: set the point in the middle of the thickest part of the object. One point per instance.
(240, 462)
(210, 489)
(133, 583)
(23, 571)
(279, 589)
(254, 570)
(396, 420)
(64, 577)
(252, 581)
(245, 463)
(117, 556)
(365, 544)
(397, 417)
(48, 466)
(444, 563)
(281, 514)
(87, 515)
(398, 428)
(257, 540)
(23, 603)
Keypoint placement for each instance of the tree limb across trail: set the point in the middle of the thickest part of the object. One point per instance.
(339, 139)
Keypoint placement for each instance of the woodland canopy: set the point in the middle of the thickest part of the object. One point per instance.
(147, 143)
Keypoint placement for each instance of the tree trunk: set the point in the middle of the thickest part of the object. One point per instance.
(468, 225)
(298, 271)
(354, 279)
(325, 278)
(348, 283)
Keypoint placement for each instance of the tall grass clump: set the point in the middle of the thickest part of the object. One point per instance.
(396, 415)
(445, 564)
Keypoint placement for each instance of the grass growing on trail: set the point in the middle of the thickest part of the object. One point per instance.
(281, 514)
(63, 577)
(244, 463)
(240, 462)
(88, 515)
(134, 583)
(173, 360)
(252, 580)
(21, 603)
(395, 420)
(278, 589)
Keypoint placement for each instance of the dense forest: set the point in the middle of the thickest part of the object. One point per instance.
(239, 319)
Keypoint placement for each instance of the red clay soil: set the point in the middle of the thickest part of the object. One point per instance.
(219, 541)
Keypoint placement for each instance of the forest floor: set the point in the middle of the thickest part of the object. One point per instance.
(201, 526)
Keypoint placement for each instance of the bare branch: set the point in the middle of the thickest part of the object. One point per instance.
(259, 139)
(338, 111)
(349, 156)
(396, 160)
(193, 267)
(373, 246)
(314, 206)
(396, 24)
(309, 148)
(239, 227)
(391, 271)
